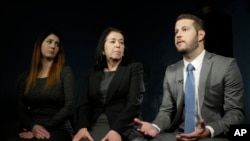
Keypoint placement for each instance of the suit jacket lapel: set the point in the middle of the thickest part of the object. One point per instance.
(115, 81)
(205, 69)
(179, 81)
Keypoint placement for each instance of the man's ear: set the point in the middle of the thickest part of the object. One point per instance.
(201, 35)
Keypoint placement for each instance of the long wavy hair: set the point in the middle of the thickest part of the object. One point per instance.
(100, 59)
(36, 65)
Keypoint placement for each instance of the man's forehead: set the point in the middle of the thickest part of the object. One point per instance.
(184, 22)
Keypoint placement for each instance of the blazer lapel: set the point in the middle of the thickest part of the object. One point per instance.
(205, 69)
(179, 81)
(115, 81)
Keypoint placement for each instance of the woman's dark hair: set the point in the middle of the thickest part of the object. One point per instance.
(35, 67)
(100, 59)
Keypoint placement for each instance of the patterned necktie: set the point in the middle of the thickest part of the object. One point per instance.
(189, 101)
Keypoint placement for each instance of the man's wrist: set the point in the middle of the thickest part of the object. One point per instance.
(210, 131)
(156, 127)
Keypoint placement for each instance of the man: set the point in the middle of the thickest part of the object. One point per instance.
(218, 90)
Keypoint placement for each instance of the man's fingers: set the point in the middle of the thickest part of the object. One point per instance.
(201, 124)
(138, 121)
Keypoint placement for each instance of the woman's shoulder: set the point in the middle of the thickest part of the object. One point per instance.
(23, 75)
(66, 70)
(135, 64)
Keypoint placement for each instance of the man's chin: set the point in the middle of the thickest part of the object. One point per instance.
(183, 52)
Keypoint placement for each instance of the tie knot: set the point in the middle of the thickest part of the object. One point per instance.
(190, 67)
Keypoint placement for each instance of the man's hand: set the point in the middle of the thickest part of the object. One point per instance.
(200, 132)
(147, 128)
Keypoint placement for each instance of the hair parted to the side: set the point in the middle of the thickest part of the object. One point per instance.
(198, 22)
(100, 59)
(35, 67)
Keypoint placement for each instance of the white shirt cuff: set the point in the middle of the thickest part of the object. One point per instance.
(157, 127)
(211, 131)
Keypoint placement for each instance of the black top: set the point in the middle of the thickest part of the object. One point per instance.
(107, 77)
(51, 108)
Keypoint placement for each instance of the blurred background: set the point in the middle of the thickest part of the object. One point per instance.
(149, 30)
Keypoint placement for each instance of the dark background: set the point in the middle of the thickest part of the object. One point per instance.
(149, 30)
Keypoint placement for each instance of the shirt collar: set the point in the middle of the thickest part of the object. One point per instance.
(197, 62)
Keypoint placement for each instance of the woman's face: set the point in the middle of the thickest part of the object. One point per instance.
(114, 46)
(50, 46)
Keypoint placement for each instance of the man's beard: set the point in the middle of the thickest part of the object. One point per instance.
(183, 51)
(190, 47)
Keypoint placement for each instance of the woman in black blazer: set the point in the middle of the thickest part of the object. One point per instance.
(113, 93)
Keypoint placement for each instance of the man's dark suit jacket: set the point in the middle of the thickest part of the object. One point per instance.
(123, 101)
